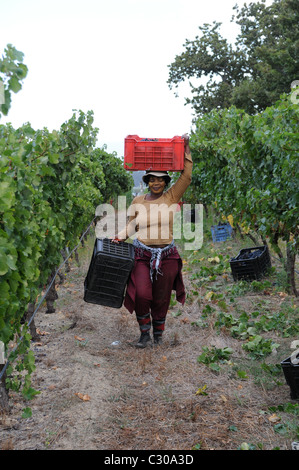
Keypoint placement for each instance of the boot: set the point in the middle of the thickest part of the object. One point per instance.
(157, 339)
(143, 340)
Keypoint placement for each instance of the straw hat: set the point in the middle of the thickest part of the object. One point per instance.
(159, 174)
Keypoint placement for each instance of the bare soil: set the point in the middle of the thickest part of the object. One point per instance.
(97, 391)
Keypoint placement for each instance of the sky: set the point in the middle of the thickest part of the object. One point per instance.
(108, 56)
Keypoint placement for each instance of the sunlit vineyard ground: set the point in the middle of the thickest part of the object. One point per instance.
(99, 392)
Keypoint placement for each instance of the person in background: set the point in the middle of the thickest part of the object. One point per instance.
(158, 265)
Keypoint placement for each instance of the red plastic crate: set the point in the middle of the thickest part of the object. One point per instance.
(154, 154)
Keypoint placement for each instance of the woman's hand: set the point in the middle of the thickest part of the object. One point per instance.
(186, 139)
(116, 240)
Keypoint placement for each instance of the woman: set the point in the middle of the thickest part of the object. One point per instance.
(157, 268)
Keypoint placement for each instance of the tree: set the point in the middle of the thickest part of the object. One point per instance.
(254, 72)
(12, 72)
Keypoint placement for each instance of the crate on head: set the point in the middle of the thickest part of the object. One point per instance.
(108, 273)
(154, 154)
(290, 367)
(251, 263)
(221, 232)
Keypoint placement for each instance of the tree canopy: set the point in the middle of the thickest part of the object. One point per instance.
(252, 73)
(12, 72)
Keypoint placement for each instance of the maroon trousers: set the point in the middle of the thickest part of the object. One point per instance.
(151, 299)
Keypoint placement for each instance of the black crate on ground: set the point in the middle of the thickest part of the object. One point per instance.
(108, 273)
(291, 373)
(251, 263)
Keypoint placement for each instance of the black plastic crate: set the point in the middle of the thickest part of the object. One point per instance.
(251, 263)
(108, 273)
(291, 373)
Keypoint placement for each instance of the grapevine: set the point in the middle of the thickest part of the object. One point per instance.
(50, 185)
(247, 166)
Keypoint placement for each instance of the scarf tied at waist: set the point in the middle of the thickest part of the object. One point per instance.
(156, 255)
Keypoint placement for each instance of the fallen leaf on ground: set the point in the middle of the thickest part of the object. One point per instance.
(282, 294)
(79, 339)
(83, 397)
(42, 333)
(185, 320)
(274, 418)
(201, 390)
(209, 295)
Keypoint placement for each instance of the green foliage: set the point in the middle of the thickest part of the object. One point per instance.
(252, 73)
(245, 326)
(212, 356)
(12, 72)
(288, 414)
(117, 180)
(50, 186)
(247, 167)
(292, 408)
(258, 347)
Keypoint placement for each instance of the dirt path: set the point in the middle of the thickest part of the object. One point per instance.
(96, 394)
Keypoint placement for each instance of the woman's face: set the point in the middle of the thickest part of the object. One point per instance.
(156, 185)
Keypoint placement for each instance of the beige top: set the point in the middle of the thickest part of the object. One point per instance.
(152, 221)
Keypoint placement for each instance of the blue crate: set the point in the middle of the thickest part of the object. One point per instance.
(221, 232)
